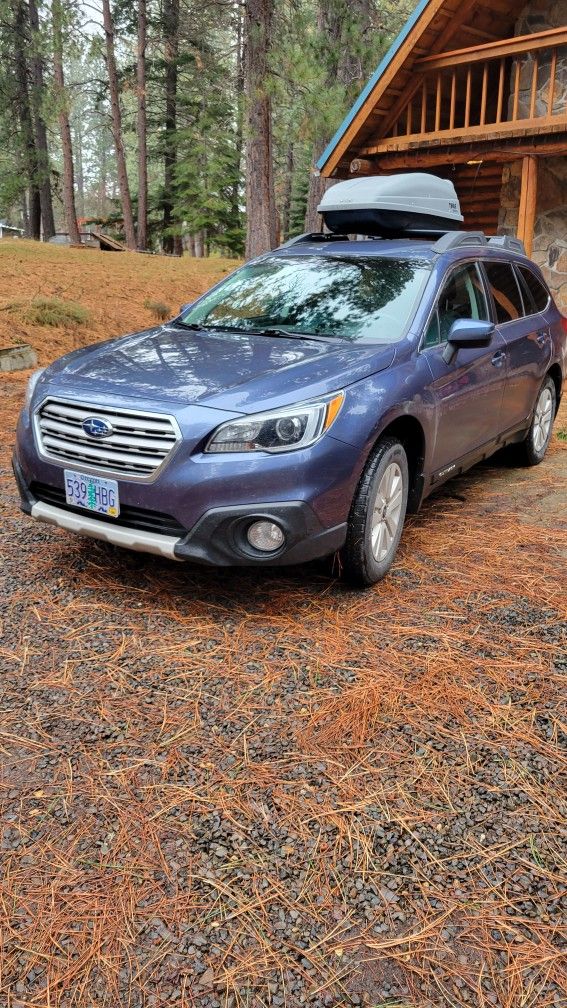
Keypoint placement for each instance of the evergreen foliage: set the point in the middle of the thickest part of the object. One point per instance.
(320, 54)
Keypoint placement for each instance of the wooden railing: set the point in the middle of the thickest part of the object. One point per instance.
(493, 89)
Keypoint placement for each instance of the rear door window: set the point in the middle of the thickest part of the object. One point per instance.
(505, 291)
(538, 295)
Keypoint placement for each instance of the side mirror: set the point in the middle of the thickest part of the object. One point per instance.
(467, 334)
(185, 307)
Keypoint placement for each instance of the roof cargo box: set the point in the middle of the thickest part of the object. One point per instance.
(388, 206)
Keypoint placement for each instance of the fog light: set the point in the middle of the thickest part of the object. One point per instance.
(265, 536)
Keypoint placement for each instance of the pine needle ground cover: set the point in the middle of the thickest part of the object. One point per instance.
(231, 788)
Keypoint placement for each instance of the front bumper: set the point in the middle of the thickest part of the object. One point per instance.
(217, 539)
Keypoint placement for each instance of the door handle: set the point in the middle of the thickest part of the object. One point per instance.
(542, 338)
(499, 358)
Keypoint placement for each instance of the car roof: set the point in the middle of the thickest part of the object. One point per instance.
(398, 248)
(406, 248)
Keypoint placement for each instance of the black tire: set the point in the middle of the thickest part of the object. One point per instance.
(360, 566)
(531, 451)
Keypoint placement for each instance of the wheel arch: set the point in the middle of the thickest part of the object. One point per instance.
(555, 373)
(408, 429)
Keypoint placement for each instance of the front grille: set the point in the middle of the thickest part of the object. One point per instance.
(130, 517)
(138, 446)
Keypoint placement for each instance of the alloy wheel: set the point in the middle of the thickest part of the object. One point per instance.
(543, 418)
(387, 511)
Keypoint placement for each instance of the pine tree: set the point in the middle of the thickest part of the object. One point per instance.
(37, 101)
(57, 17)
(116, 115)
(260, 196)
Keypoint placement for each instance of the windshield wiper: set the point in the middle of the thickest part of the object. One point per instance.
(269, 331)
(274, 331)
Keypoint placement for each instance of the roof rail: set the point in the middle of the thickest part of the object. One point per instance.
(508, 242)
(454, 239)
(314, 236)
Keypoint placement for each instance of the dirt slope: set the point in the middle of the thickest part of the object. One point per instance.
(112, 286)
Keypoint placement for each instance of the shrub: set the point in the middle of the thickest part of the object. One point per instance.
(45, 311)
(159, 309)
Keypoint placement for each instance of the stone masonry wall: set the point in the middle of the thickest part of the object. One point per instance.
(550, 234)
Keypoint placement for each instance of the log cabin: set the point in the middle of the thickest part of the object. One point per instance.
(474, 91)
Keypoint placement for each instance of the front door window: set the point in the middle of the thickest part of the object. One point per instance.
(462, 297)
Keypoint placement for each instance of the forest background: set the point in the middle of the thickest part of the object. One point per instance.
(178, 124)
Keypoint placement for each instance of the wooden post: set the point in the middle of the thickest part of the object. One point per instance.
(528, 200)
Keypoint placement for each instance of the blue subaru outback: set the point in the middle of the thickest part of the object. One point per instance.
(302, 406)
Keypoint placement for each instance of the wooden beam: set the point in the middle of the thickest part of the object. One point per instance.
(479, 33)
(494, 50)
(490, 154)
(528, 201)
(551, 92)
(496, 131)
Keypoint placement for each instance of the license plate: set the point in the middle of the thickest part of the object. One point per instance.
(92, 493)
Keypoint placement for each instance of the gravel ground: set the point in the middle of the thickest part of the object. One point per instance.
(261, 789)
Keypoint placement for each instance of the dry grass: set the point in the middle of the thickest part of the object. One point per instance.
(145, 702)
(48, 311)
(117, 290)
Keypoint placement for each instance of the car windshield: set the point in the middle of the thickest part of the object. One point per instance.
(368, 299)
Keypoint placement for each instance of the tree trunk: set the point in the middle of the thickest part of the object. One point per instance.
(199, 244)
(34, 214)
(171, 53)
(116, 118)
(103, 181)
(317, 186)
(80, 171)
(64, 128)
(286, 195)
(40, 129)
(239, 126)
(33, 229)
(142, 130)
(260, 198)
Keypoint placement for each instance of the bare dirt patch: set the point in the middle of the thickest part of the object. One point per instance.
(228, 788)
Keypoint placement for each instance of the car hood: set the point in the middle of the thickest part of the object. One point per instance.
(228, 371)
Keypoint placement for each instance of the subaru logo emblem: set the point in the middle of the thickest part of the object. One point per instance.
(96, 427)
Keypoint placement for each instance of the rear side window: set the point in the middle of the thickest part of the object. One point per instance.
(505, 291)
(538, 294)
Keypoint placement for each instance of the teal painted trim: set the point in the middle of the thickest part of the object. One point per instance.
(372, 82)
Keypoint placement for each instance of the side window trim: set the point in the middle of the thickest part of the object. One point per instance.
(527, 296)
(488, 289)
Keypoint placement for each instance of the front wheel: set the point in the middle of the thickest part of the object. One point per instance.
(534, 447)
(377, 515)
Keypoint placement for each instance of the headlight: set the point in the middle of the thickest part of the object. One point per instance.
(32, 382)
(283, 430)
